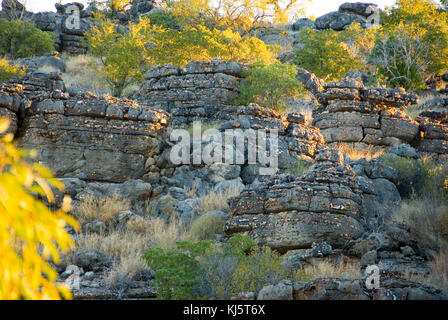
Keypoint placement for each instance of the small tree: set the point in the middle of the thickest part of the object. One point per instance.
(179, 47)
(270, 85)
(30, 233)
(412, 44)
(330, 54)
(124, 56)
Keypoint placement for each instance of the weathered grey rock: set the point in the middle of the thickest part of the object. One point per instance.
(321, 206)
(344, 289)
(98, 227)
(310, 81)
(359, 8)
(281, 291)
(91, 259)
(369, 258)
(303, 23)
(338, 20)
(199, 91)
(364, 118)
(404, 150)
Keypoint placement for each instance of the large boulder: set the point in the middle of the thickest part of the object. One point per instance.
(285, 213)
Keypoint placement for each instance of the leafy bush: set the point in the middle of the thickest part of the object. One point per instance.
(331, 54)
(20, 39)
(179, 47)
(206, 226)
(412, 44)
(123, 55)
(31, 233)
(270, 85)
(162, 18)
(126, 56)
(8, 71)
(422, 177)
(176, 272)
(207, 269)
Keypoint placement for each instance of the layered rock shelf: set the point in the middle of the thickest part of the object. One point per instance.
(199, 91)
(88, 137)
(364, 118)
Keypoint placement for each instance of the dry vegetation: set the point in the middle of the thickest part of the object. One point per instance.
(328, 269)
(353, 153)
(216, 200)
(81, 75)
(105, 209)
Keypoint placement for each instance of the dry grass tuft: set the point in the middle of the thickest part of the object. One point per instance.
(216, 200)
(353, 153)
(327, 269)
(426, 219)
(105, 209)
(205, 227)
(79, 74)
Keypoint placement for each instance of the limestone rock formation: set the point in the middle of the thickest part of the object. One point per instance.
(89, 137)
(363, 117)
(434, 128)
(346, 15)
(200, 90)
(287, 212)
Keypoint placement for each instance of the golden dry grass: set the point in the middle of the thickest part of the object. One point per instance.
(216, 200)
(426, 220)
(328, 269)
(126, 246)
(79, 74)
(438, 277)
(354, 153)
(105, 209)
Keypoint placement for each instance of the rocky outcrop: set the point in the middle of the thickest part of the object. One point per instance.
(434, 131)
(364, 118)
(199, 91)
(70, 36)
(347, 14)
(88, 137)
(288, 212)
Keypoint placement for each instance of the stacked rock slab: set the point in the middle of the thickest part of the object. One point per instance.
(290, 212)
(348, 13)
(364, 118)
(296, 140)
(434, 129)
(87, 137)
(198, 91)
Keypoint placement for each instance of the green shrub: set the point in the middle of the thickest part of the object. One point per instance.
(270, 86)
(207, 269)
(412, 43)
(331, 54)
(176, 273)
(8, 71)
(126, 56)
(162, 18)
(422, 177)
(206, 226)
(20, 39)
